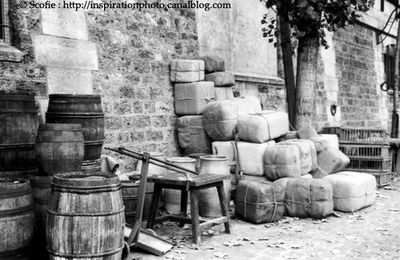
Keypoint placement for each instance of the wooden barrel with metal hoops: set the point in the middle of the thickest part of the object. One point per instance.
(16, 219)
(18, 127)
(59, 148)
(85, 217)
(80, 109)
(41, 191)
(130, 194)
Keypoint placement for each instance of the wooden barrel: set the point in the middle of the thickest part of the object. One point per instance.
(85, 217)
(18, 127)
(130, 190)
(41, 191)
(59, 148)
(80, 109)
(16, 218)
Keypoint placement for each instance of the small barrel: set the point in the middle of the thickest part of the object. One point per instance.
(85, 110)
(18, 128)
(130, 193)
(209, 205)
(16, 218)
(172, 197)
(41, 191)
(59, 148)
(85, 217)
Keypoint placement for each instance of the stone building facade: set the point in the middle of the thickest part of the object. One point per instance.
(124, 56)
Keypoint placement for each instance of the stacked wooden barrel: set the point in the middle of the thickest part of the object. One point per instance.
(18, 127)
(85, 217)
(16, 218)
(85, 110)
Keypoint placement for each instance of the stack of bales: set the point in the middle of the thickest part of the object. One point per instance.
(305, 179)
(192, 94)
(295, 173)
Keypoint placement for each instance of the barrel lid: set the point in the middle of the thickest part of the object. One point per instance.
(181, 160)
(60, 127)
(85, 181)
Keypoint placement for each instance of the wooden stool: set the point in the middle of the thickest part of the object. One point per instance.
(192, 184)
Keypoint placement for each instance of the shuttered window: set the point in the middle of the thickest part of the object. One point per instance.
(4, 23)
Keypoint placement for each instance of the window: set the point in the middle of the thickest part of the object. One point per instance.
(388, 59)
(4, 23)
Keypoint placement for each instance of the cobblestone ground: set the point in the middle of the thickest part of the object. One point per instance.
(372, 233)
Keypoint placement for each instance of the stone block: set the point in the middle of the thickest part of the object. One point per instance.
(64, 23)
(69, 81)
(59, 52)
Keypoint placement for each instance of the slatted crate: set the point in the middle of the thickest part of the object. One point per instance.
(369, 164)
(383, 178)
(358, 135)
(365, 150)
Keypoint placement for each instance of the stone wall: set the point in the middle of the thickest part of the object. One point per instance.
(135, 49)
(19, 73)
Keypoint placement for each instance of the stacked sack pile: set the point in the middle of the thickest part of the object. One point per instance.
(284, 172)
(303, 178)
(193, 94)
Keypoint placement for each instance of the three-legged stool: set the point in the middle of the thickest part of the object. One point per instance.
(192, 184)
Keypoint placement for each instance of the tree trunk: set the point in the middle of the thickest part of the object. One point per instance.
(306, 79)
(287, 53)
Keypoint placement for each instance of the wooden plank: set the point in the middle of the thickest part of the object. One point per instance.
(213, 222)
(154, 205)
(224, 206)
(194, 211)
(179, 179)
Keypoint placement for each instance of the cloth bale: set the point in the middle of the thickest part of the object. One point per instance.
(264, 126)
(250, 155)
(192, 98)
(352, 191)
(260, 202)
(221, 79)
(213, 63)
(311, 198)
(282, 160)
(220, 117)
(191, 135)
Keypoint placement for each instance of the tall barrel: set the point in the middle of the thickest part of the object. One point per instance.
(41, 191)
(59, 148)
(172, 197)
(80, 109)
(18, 127)
(85, 217)
(16, 218)
(209, 205)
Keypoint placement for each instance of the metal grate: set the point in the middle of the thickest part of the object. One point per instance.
(366, 151)
(359, 135)
(5, 28)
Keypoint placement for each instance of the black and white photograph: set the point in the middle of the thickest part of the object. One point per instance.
(199, 129)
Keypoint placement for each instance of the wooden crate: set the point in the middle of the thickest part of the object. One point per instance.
(358, 135)
(365, 150)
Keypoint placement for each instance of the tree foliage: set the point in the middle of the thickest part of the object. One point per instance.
(310, 18)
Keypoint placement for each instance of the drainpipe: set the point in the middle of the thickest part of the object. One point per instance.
(395, 116)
